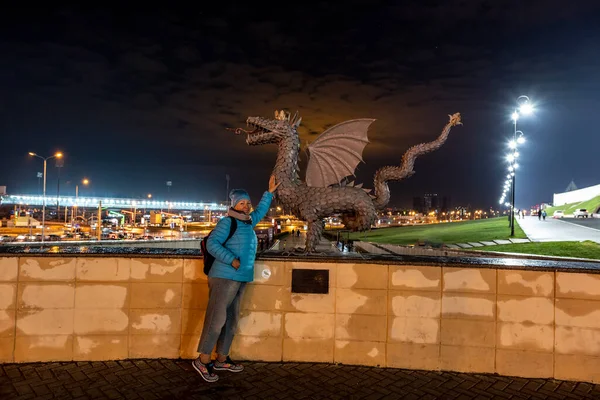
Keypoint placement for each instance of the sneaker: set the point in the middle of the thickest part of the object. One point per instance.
(228, 365)
(205, 370)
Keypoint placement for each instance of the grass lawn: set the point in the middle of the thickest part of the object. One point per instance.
(590, 205)
(585, 249)
(452, 232)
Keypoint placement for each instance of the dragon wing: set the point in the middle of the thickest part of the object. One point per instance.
(335, 154)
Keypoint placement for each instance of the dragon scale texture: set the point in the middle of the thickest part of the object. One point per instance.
(313, 204)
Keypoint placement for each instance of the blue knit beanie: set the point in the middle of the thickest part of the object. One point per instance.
(237, 195)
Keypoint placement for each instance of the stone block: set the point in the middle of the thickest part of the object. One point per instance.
(359, 353)
(362, 276)
(163, 321)
(257, 348)
(464, 245)
(193, 271)
(369, 328)
(308, 302)
(100, 347)
(43, 348)
(361, 301)
(488, 243)
(465, 332)
(267, 272)
(195, 295)
(260, 323)
(9, 269)
(45, 322)
(503, 241)
(189, 346)
(103, 269)
(7, 349)
(529, 364)
(526, 283)
(47, 269)
(578, 312)
(469, 306)
(421, 278)
(45, 295)
(309, 325)
(8, 296)
(308, 350)
(157, 270)
(192, 321)
(574, 285)
(536, 310)
(102, 295)
(413, 356)
(155, 295)
(573, 340)
(8, 320)
(101, 321)
(475, 244)
(467, 359)
(414, 330)
(415, 304)
(264, 298)
(469, 280)
(154, 346)
(577, 368)
(525, 336)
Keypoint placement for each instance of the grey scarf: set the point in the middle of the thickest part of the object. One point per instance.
(239, 216)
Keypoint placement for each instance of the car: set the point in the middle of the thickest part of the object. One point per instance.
(558, 214)
(581, 213)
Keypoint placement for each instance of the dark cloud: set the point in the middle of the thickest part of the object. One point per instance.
(143, 96)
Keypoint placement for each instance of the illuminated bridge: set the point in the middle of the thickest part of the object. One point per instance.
(108, 202)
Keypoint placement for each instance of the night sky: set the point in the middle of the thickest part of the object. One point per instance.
(137, 97)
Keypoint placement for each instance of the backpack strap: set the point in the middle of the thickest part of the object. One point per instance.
(232, 229)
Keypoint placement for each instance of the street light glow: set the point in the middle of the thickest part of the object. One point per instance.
(58, 155)
(32, 154)
(526, 108)
(515, 116)
(512, 144)
(521, 139)
(85, 181)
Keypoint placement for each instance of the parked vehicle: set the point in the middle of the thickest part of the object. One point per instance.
(558, 214)
(581, 213)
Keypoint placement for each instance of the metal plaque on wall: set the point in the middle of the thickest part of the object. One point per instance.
(310, 281)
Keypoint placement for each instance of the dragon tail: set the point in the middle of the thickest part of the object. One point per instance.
(392, 173)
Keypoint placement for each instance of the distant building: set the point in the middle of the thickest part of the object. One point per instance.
(431, 202)
(571, 186)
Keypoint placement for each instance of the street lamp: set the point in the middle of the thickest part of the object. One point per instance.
(524, 108)
(56, 155)
(84, 182)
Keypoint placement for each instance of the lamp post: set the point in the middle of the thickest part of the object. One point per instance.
(85, 182)
(524, 108)
(57, 155)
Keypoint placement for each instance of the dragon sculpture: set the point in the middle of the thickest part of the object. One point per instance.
(333, 157)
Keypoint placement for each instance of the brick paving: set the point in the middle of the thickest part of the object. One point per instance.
(176, 379)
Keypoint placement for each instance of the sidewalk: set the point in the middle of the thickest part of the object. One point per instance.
(176, 379)
(556, 230)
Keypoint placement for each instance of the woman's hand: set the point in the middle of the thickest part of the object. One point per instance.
(272, 185)
(236, 263)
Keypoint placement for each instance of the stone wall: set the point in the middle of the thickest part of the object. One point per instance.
(506, 321)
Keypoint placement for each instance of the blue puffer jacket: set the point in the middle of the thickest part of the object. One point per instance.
(242, 245)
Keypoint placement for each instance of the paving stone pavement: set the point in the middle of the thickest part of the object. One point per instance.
(176, 379)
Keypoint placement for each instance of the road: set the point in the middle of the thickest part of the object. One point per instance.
(560, 230)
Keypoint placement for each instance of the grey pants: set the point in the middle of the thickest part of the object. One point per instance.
(222, 315)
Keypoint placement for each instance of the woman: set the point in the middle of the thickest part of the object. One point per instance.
(232, 269)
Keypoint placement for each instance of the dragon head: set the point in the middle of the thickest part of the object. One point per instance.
(266, 131)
